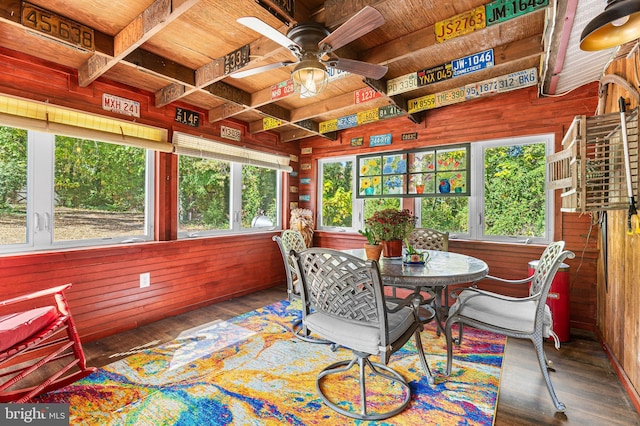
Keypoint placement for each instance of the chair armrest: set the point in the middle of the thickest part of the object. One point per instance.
(456, 294)
(504, 280)
(53, 290)
(400, 303)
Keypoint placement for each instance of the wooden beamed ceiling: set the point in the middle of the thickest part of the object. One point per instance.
(177, 49)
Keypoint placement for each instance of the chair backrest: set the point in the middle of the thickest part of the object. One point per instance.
(287, 241)
(344, 286)
(292, 240)
(429, 239)
(547, 267)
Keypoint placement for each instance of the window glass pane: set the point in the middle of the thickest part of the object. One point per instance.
(514, 188)
(372, 205)
(204, 194)
(259, 196)
(337, 179)
(99, 190)
(445, 214)
(13, 186)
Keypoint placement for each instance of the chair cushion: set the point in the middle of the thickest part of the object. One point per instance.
(15, 328)
(509, 314)
(356, 335)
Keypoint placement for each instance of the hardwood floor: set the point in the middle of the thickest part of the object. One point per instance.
(584, 380)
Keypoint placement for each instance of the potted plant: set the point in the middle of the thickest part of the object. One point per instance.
(391, 227)
(372, 248)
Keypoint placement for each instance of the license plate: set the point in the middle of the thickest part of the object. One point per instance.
(389, 111)
(120, 105)
(57, 26)
(347, 121)
(282, 89)
(402, 84)
(517, 80)
(434, 75)
(364, 95)
(473, 63)
(328, 126)
(368, 116)
(482, 88)
(461, 24)
(270, 123)
(502, 10)
(421, 104)
(449, 97)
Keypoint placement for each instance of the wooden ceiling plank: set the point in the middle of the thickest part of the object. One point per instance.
(157, 16)
(294, 135)
(213, 71)
(410, 44)
(226, 110)
(160, 67)
(337, 12)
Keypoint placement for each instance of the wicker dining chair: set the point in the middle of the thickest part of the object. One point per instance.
(348, 307)
(518, 317)
(431, 239)
(293, 240)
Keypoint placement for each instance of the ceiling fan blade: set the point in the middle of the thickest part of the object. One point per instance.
(258, 70)
(259, 26)
(363, 22)
(364, 69)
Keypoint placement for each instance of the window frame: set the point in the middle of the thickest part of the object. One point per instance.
(235, 204)
(40, 194)
(357, 207)
(476, 197)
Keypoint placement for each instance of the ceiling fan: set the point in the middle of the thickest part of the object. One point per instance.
(313, 46)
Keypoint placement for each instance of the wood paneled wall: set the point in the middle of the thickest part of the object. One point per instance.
(619, 293)
(106, 297)
(519, 113)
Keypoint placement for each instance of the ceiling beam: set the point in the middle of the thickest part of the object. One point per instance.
(157, 16)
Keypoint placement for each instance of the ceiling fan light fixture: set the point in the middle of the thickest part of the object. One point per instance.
(618, 24)
(310, 77)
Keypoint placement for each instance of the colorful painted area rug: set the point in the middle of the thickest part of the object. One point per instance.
(250, 370)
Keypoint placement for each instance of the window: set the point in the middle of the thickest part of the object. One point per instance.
(508, 199)
(423, 172)
(60, 191)
(508, 203)
(515, 202)
(336, 208)
(219, 195)
(204, 190)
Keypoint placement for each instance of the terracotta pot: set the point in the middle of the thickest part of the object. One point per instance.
(373, 251)
(392, 248)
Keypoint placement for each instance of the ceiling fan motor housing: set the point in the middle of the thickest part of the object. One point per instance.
(307, 35)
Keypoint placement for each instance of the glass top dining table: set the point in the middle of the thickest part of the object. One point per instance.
(442, 268)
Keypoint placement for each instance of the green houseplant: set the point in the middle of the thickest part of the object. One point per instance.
(372, 248)
(391, 227)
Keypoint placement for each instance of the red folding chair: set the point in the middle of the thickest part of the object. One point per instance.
(42, 339)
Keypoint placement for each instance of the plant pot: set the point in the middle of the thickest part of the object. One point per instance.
(392, 248)
(373, 251)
